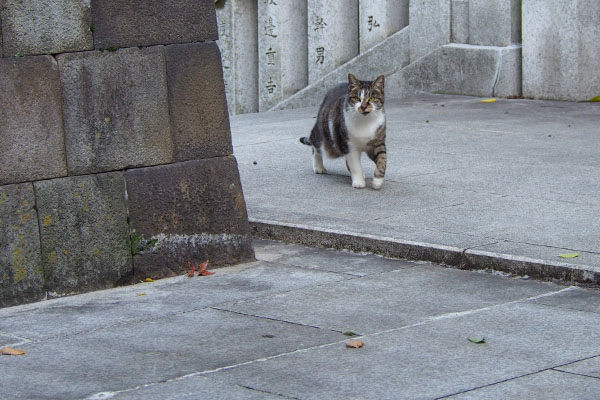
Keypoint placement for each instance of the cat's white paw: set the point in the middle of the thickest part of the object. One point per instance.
(319, 170)
(359, 183)
(376, 183)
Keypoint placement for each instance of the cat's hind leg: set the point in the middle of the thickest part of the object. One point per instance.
(318, 162)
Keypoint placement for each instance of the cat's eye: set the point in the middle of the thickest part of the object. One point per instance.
(371, 98)
(355, 98)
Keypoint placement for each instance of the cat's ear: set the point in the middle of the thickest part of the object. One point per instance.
(379, 83)
(353, 81)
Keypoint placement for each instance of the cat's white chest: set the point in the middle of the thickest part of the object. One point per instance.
(362, 128)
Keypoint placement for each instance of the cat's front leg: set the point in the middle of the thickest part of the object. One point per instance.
(356, 171)
(380, 165)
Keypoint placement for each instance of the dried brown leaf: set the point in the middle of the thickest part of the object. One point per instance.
(9, 351)
(355, 344)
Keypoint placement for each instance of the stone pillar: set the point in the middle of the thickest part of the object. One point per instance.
(561, 50)
(282, 50)
(429, 26)
(460, 21)
(494, 23)
(238, 35)
(378, 19)
(332, 35)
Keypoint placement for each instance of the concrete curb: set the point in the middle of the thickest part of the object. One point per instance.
(450, 256)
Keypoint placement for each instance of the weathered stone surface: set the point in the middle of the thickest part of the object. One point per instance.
(195, 211)
(197, 103)
(238, 34)
(460, 21)
(461, 69)
(494, 23)
(84, 232)
(144, 23)
(361, 66)
(115, 109)
(379, 19)
(45, 26)
(429, 26)
(332, 35)
(561, 50)
(31, 127)
(21, 273)
(282, 55)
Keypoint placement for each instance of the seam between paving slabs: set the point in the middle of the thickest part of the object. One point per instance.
(344, 277)
(521, 376)
(107, 395)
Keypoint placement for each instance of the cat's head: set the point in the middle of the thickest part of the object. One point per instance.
(365, 97)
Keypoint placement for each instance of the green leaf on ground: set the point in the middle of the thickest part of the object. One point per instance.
(477, 340)
(350, 333)
(492, 100)
(594, 99)
(569, 255)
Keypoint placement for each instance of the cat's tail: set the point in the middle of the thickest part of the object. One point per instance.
(306, 141)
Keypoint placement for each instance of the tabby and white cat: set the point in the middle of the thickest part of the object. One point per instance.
(351, 121)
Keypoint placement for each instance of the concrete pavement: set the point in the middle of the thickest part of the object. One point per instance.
(507, 186)
(273, 329)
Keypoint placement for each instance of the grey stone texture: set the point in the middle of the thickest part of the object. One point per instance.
(21, 273)
(197, 103)
(561, 50)
(494, 23)
(460, 21)
(379, 19)
(115, 109)
(127, 23)
(238, 42)
(84, 232)
(195, 210)
(361, 66)
(483, 71)
(45, 26)
(429, 26)
(31, 131)
(282, 51)
(263, 329)
(332, 35)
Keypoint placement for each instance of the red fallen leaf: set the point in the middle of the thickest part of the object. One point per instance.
(9, 351)
(202, 269)
(192, 270)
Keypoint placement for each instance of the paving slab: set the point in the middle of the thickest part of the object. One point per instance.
(430, 360)
(548, 385)
(180, 337)
(514, 178)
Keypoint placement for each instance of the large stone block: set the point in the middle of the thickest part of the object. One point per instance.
(129, 23)
(21, 273)
(282, 51)
(561, 50)
(238, 34)
(332, 35)
(429, 26)
(31, 124)
(190, 211)
(45, 26)
(115, 109)
(378, 19)
(461, 69)
(197, 103)
(84, 232)
(494, 23)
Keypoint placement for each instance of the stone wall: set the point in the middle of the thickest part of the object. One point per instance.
(115, 153)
